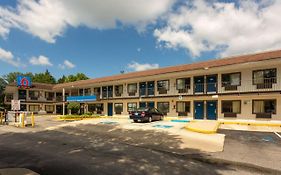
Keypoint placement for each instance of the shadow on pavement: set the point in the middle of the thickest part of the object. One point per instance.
(102, 149)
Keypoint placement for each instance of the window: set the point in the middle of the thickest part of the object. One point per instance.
(34, 108)
(104, 92)
(118, 108)
(97, 92)
(34, 95)
(132, 106)
(264, 106)
(229, 106)
(231, 81)
(81, 92)
(22, 94)
(163, 86)
(183, 106)
(49, 95)
(163, 107)
(87, 92)
(49, 108)
(110, 91)
(264, 78)
(132, 89)
(118, 90)
(95, 108)
(183, 84)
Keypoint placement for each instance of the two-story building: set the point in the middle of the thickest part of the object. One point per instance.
(242, 87)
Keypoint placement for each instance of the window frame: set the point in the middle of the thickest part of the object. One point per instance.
(263, 70)
(136, 89)
(118, 87)
(231, 106)
(186, 102)
(115, 104)
(168, 107)
(229, 74)
(131, 103)
(187, 78)
(275, 102)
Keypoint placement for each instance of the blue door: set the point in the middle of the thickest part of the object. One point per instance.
(150, 104)
(211, 83)
(150, 86)
(142, 104)
(143, 89)
(109, 109)
(199, 84)
(198, 110)
(211, 110)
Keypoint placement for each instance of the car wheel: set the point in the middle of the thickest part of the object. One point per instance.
(136, 121)
(150, 119)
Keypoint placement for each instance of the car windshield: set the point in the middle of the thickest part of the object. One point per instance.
(142, 109)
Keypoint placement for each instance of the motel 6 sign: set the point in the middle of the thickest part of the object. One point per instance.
(23, 81)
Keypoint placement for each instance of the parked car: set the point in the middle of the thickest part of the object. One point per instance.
(146, 115)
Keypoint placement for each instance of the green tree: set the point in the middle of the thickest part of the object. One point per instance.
(63, 79)
(81, 76)
(74, 107)
(44, 78)
(12, 76)
(3, 84)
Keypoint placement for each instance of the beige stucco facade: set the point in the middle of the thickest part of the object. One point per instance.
(246, 92)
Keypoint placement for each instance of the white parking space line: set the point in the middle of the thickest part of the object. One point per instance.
(277, 134)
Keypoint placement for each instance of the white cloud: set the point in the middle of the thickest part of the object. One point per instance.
(48, 19)
(67, 64)
(41, 61)
(8, 57)
(206, 26)
(135, 66)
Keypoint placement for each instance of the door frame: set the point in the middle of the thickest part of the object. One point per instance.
(194, 107)
(216, 101)
(111, 104)
(212, 75)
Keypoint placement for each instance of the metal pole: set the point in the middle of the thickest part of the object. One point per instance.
(63, 99)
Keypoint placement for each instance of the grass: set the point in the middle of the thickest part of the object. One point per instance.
(79, 117)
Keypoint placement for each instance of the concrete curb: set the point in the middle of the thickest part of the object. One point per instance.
(250, 123)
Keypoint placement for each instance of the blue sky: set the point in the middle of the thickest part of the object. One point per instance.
(101, 39)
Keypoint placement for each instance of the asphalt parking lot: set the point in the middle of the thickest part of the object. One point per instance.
(105, 148)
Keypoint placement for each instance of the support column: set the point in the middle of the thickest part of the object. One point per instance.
(63, 101)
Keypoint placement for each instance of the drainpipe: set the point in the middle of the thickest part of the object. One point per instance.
(63, 99)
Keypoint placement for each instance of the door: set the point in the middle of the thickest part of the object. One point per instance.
(199, 110)
(59, 109)
(109, 109)
(211, 83)
(211, 110)
(150, 104)
(199, 84)
(150, 86)
(142, 89)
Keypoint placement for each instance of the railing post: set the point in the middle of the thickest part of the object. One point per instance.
(32, 120)
(22, 120)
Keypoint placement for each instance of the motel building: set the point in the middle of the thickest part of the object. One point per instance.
(240, 87)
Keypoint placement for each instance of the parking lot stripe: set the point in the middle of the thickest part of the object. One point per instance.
(277, 134)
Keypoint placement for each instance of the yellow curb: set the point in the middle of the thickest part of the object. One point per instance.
(251, 123)
(201, 130)
(213, 131)
(74, 119)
